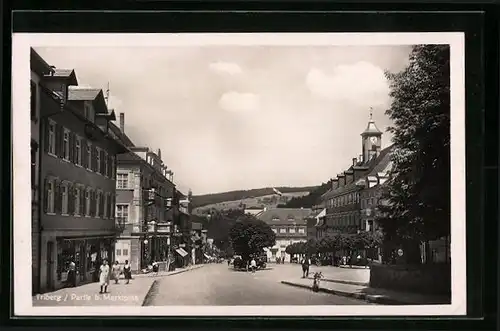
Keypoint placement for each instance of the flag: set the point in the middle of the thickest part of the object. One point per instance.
(277, 192)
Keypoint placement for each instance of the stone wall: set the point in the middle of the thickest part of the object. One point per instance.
(424, 279)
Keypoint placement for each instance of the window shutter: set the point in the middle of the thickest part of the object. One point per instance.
(92, 203)
(57, 196)
(93, 160)
(45, 126)
(82, 201)
(110, 174)
(103, 170)
(58, 145)
(101, 207)
(85, 157)
(46, 195)
(71, 200)
(72, 147)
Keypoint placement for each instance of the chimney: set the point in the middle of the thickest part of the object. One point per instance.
(122, 122)
(354, 161)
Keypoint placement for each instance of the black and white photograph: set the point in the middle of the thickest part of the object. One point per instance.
(259, 174)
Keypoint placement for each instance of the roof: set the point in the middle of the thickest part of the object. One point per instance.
(374, 166)
(371, 128)
(63, 72)
(280, 216)
(122, 136)
(83, 94)
(254, 208)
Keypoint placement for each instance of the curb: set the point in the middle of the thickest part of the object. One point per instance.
(153, 289)
(348, 282)
(360, 296)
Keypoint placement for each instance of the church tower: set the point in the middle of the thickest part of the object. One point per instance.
(371, 140)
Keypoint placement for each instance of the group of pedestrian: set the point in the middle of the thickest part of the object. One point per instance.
(105, 274)
(280, 260)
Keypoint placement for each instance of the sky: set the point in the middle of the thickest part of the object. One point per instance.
(243, 117)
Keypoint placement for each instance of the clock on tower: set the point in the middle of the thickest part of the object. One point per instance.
(371, 140)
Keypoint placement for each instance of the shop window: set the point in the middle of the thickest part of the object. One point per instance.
(65, 255)
(118, 252)
(125, 252)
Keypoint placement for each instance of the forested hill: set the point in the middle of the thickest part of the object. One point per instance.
(208, 199)
(307, 201)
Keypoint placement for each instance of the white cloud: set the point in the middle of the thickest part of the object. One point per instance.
(226, 67)
(239, 102)
(361, 83)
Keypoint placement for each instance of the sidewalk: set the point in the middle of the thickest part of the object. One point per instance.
(380, 296)
(354, 276)
(121, 294)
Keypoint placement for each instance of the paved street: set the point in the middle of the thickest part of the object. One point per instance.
(215, 284)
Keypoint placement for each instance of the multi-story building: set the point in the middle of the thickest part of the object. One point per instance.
(343, 200)
(77, 169)
(39, 69)
(313, 221)
(145, 205)
(290, 226)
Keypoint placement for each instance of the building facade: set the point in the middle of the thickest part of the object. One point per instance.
(290, 226)
(145, 205)
(39, 69)
(77, 169)
(344, 210)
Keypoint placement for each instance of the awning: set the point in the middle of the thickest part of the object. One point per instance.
(207, 256)
(181, 252)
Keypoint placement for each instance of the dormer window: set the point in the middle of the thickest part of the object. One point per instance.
(276, 219)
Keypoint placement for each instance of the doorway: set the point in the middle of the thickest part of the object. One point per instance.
(50, 265)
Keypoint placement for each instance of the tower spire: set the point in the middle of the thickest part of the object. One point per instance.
(371, 113)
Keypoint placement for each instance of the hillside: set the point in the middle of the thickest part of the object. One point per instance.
(266, 201)
(309, 200)
(215, 198)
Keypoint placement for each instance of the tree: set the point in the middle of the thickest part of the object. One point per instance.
(250, 236)
(419, 187)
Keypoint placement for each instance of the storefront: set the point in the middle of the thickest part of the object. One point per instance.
(86, 253)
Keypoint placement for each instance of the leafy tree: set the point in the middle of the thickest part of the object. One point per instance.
(419, 187)
(250, 235)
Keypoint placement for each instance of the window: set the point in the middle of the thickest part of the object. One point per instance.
(105, 170)
(78, 151)
(112, 174)
(118, 252)
(52, 138)
(89, 156)
(89, 112)
(125, 252)
(87, 202)
(97, 203)
(64, 197)
(33, 100)
(292, 230)
(77, 201)
(122, 214)
(283, 230)
(276, 219)
(33, 165)
(274, 230)
(302, 230)
(106, 200)
(66, 145)
(122, 180)
(50, 196)
(98, 160)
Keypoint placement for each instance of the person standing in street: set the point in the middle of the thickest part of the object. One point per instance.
(116, 272)
(253, 265)
(306, 262)
(104, 276)
(127, 271)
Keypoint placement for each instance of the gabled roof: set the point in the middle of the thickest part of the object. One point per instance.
(282, 216)
(68, 74)
(38, 64)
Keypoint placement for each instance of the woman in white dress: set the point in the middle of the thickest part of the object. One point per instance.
(104, 276)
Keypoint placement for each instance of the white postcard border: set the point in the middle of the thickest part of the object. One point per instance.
(21, 43)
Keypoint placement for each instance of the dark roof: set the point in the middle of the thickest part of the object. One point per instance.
(254, 208)
(374, 166)
(122, 136)
(371, 128)
(296, 216)
(83, 94)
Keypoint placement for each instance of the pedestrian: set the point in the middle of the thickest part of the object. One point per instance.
(306, 262)
(253, 265)
(127, 271)
(104, 276)
(228, 262)
(116, 270)
(155, 268)
(71, 281)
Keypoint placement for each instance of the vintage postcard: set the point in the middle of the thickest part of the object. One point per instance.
(239, 174)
